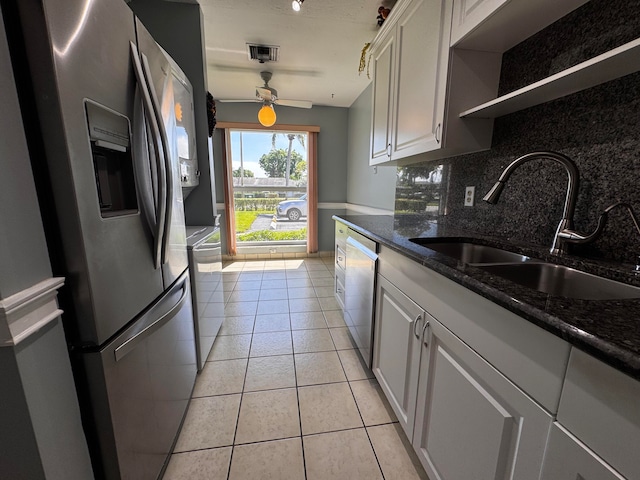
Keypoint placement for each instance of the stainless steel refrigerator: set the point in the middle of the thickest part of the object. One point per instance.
(107, 122)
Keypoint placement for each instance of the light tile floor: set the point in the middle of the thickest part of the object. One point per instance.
(284, 394)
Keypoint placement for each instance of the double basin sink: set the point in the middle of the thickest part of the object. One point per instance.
(533, 273)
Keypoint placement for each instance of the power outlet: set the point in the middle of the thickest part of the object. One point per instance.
(469, 194)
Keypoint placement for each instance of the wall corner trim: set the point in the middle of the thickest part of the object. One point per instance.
(28, 311)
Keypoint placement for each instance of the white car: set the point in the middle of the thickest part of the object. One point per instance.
(293, 209)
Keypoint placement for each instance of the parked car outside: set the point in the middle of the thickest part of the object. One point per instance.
(293, 209)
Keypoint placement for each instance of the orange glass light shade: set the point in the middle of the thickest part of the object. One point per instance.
(267, 116)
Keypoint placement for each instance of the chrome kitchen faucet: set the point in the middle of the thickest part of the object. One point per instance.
(560, 242)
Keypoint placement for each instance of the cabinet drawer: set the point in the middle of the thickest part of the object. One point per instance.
(342, 232)
(339, 290)
(600, 406)
(341, 259)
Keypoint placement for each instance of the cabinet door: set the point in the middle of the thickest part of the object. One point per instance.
(383, 67)
(422, 36)
(396, 352)
(471, 421)
(568, 459)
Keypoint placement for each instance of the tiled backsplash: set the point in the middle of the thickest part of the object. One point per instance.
(598, 128)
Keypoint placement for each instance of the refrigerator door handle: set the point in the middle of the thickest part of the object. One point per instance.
(167, 155)
(158, 233)
(131, 343)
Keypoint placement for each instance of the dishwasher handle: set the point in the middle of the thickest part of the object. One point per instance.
(361, 249)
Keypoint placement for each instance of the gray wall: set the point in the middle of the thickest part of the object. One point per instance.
(598, 128)
(24, 260)
(332, 152)
(178, 28)
(364, 186)
(42, 435)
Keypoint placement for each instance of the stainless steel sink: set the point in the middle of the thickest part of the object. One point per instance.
(532, 272)
(563, 281)
(472, 253)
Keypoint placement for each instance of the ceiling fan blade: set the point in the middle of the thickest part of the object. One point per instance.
(264, 93)
(294, 103)
(236, 100)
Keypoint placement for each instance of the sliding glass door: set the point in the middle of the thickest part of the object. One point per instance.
(269, 183)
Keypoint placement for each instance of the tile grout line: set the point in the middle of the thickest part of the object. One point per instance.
(364, 425)
(235, 432)
(297, 386)
(295, 377)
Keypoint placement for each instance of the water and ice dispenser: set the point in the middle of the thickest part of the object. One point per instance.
(112, 160)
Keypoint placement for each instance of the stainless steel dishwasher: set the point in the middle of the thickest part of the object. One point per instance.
(360, 290)
(205, 267)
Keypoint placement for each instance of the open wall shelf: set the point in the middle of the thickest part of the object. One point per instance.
(613, 64)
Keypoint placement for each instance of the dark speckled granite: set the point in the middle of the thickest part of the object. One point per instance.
(598, 128)
(593, 29)
(607, 329)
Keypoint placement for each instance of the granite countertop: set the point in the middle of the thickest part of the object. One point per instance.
(606, 329)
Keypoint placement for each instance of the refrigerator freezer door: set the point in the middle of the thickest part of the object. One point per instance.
(140, 385)
(79, 51)
(175, 260)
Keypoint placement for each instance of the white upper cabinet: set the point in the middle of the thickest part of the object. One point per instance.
(498, 25)
(436, 70)
(382, 59)
(411, 64)
(410, 57)
(422, 32)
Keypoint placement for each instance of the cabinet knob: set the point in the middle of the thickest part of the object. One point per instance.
(438, 132)
(389, 150)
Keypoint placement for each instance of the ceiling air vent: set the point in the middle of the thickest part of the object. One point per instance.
(263, 53)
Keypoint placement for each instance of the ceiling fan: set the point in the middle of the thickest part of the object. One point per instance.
(269, 97)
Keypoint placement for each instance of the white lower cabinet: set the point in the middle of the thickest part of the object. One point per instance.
(464, 418)
(600, 406)
(396, 352)
(569, 459)
(471, 422)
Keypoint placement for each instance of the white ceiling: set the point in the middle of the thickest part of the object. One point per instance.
(319, 47)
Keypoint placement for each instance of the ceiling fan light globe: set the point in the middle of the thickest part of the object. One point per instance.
(267, 116)
(296, 4)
